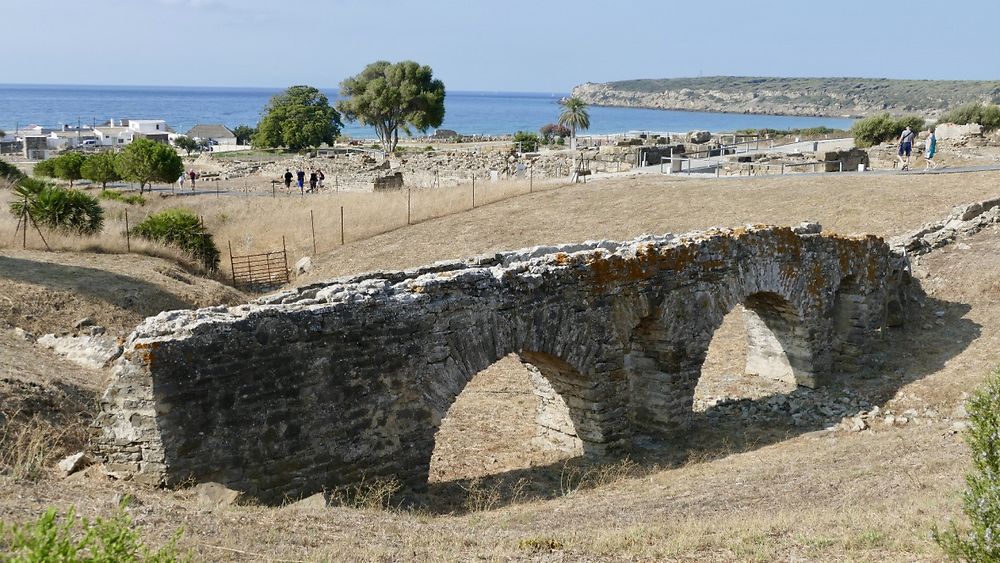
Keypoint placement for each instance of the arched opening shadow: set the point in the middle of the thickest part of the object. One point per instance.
(713, 434)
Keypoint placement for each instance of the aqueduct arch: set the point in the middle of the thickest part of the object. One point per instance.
(318, 386)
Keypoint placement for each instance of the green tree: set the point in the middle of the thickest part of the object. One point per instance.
(186, 144)
(59, 209)
(527, 141)
(883, 127)
(146, 161)
(100, 167)
(298, 118)
(574, 115)
(981, 502)
(244, 134)
(67, 166)
(390, 97)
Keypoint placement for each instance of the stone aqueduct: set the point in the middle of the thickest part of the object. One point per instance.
(317, 387)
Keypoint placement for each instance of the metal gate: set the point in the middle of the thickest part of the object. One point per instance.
(260, 272)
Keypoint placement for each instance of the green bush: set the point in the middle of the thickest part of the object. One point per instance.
(529, 141)
(72, 539)
(883, 127)
(59, 209)
(181, 228)
(113, 195)
(982, 494)
(987, 115)
(10, 172)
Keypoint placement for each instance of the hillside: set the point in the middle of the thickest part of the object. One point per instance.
(791, 96)
(737, 488)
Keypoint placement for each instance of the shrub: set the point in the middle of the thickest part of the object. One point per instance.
(58, 209)
(101, 168)
(180, 228)
(883, 127)
(71, 538)
(45, 169)
(552, 131)
(112, 195)
(528, 141)
(982, 495)
(10, 172)
(987, 115)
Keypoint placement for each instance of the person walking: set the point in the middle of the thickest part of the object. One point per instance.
(301, 178)
(313, 179)
(905, 147)
(321, 178)
(288, 179)
(192, 174)
(180, 181)
(930, 149)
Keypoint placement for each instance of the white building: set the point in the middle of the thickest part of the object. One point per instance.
(113, 136)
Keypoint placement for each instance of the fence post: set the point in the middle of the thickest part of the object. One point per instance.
(531, 180)
(782, 168)
(128, 242)
(407, 206)
(232, 265)
(341, 225)
(312, 226)
(473, 194)
(273, 194)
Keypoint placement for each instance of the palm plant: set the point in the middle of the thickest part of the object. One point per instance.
(56, 208)
(574, 116)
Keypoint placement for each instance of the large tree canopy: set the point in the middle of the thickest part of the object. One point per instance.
(100, 167)
(146, 161)
(298, 118)
(390, 97)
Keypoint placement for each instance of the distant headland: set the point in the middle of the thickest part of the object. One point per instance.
(831, 97)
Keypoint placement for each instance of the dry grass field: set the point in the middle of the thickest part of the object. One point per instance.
(732, 489)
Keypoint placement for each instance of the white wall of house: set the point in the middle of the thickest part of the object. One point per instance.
(148, 126)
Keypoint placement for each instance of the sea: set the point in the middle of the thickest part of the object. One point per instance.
(469, 113)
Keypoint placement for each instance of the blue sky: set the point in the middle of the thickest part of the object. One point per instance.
(509, 45)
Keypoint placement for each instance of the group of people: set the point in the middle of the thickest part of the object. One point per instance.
(906, 147)
(185, 175)
(316, 178)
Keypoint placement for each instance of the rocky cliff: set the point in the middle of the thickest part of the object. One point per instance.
(848, 97)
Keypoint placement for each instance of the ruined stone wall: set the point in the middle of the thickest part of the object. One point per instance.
(323, 385)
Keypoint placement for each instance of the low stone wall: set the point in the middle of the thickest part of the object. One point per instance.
(964, 220)
(327, 384)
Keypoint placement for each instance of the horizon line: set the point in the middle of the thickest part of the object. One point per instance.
(270, 88)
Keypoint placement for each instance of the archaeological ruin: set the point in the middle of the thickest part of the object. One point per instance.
(320, 386)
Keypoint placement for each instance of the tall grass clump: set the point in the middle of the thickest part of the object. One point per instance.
(987, 115)
(181, 228)
(26, 447)
(883, 127)
(70, 538)
(981, 499)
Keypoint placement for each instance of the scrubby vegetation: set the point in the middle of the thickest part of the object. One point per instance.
(527, 141)
(181, 228)
(883, 127)
(70, 539)
(982, 495)
(112, 195)
(10, 172)
(59, 209)
(987, 115)
(806, 132)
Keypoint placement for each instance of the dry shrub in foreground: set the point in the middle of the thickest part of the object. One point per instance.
(26, 446)
(375, 494)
